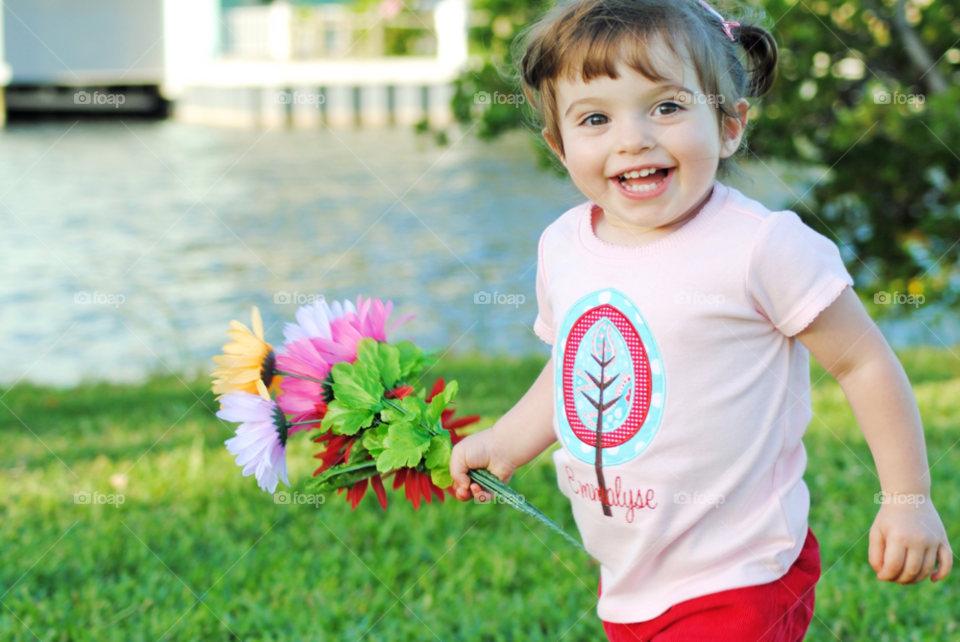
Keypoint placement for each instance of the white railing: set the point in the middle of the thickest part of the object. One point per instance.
(282, 32)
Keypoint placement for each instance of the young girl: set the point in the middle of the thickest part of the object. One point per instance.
(681, 314)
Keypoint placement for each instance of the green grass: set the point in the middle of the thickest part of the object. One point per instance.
(191, 527)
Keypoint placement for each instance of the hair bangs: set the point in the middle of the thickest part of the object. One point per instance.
(596, 55)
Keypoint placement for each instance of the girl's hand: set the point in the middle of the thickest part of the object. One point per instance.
(906, 540)
(479, 450)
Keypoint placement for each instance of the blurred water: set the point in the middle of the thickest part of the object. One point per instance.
(190, 226)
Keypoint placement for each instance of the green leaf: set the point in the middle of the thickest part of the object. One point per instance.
(404, 446)
(381, 357)
(389, 414)
(345, 421)
(357, 386)
(373, 439)
(412, 406)
(410, 358)
(359, 452)
(440, 402)
(438, 455)
(441, 477)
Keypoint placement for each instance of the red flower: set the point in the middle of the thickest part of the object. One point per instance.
(358, 490)
(416, 485)
(399, 392)
(337, 451)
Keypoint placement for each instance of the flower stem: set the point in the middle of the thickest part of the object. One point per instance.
(407, 412)
(295, 376)
(497, 486)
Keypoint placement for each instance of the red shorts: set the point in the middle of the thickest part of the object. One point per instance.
(780, 611)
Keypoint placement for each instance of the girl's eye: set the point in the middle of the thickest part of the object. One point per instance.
(595, 120)
(671, 107)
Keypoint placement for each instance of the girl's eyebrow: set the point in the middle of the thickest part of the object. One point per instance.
(659, 89)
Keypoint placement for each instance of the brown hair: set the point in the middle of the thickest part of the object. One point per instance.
(588, 37)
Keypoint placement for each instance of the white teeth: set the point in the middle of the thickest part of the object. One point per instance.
(646, 171)
(643, 188)
(637, 174)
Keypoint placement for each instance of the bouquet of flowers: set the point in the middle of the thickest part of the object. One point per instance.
(337, 373)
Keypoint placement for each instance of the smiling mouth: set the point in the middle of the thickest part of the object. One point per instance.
(644, 180)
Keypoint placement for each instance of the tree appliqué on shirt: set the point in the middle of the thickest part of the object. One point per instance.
(611, 392)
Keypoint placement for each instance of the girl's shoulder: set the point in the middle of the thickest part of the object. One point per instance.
(737, 204)
(564, 229)
(569, 220)
(777, 228)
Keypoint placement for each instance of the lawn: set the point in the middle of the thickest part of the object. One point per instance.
(198, 552)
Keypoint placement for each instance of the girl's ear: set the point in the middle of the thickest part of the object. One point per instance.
(554, 146)
(734, 129)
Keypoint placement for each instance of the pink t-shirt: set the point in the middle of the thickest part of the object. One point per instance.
(682, 352)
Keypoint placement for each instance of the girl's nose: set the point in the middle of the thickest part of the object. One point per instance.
(635, 136)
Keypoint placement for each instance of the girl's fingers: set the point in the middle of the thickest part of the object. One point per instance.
(893, 557)
(929, 561)
(911, 565)
(458, 469)
(479, 493)
(876, 549)
(945, 557)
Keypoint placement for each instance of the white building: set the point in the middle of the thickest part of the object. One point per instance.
(247, 66)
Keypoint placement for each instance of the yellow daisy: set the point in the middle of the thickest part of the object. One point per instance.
(247, 361)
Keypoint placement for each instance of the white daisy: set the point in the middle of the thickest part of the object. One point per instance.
(261, 442)
(314, 320)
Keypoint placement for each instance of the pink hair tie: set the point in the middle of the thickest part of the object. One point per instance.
(727, 24)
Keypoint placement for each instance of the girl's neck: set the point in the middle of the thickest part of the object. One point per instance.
(616, 233)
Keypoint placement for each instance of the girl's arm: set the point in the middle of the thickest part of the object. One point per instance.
(907, 537)
(519, 436)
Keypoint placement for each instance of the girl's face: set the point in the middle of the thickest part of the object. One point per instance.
(646, 152)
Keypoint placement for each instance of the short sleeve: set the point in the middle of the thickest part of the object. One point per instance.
(543, 326)
(794, 272)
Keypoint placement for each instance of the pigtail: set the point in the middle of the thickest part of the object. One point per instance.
(761, 51)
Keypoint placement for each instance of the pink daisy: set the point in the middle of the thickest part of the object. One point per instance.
(301, 398)
(370, 320)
